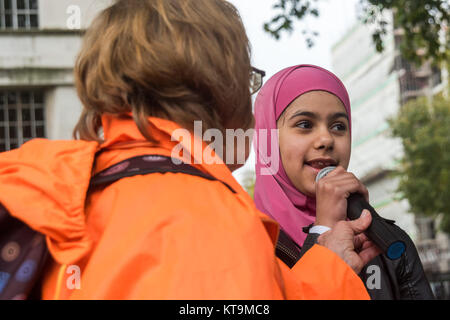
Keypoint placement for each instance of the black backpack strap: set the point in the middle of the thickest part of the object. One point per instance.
(146, 164)
(287, 250)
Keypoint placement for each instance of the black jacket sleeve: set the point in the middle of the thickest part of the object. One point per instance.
(411, 279)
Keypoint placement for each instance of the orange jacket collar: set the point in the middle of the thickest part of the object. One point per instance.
(123, 132)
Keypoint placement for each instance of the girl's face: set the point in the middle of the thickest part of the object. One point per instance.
(313, 134)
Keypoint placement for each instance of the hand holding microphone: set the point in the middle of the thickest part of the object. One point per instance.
(347, 197)
(332, 194)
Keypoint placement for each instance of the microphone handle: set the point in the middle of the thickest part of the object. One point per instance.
(380, 231)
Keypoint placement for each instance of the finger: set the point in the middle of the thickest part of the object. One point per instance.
(338, 175)
(359, 240)
(369, 254)
(362, 188)
(330, 178)
(350, 185)
(336, 172)
(367, 244)
(355, 262)
(344, 178)
(364, 191)
(362, 223)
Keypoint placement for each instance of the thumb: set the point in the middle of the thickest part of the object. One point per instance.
(362, 223)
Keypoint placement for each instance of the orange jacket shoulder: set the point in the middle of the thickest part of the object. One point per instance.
(184, 237)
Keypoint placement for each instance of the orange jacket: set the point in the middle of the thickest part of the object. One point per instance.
(156, 236)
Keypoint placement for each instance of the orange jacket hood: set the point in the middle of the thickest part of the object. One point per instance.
(44, 183)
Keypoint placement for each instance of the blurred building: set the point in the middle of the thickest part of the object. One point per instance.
(39, 41)
(378, 85)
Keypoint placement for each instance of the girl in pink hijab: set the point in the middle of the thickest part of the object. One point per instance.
(291, 102)
(303, 124)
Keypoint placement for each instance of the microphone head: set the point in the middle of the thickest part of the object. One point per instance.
(322, 173)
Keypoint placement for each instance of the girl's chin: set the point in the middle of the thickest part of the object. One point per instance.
(310, 194)
(310, 174)
(308, 180)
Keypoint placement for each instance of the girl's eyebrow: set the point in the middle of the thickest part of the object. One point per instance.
(315, 116)
(339, 115)
(304, 113)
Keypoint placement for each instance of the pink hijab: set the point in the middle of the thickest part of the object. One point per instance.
(275, 195)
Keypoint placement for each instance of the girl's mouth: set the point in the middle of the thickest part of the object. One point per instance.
(318, 164)
(315, 170)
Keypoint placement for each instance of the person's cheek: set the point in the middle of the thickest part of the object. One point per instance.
(345, 151)
(295, 158)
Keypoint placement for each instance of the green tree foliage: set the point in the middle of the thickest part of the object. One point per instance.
(287, 12)
(422, 22)
(424, 128)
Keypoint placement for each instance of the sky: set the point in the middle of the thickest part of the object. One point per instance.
(335, 20)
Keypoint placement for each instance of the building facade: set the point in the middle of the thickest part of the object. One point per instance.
(39, 41)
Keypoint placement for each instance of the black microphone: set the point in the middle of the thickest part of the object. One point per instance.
(380, 231)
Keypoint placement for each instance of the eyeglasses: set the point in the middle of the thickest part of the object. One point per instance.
(256, 80)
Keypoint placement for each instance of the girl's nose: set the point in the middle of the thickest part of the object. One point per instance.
(324, 140)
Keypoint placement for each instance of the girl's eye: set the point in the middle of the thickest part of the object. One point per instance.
(304, 125)
(339, 127)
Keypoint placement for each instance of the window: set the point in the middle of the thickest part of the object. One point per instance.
(21, 118)
(19, 14)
